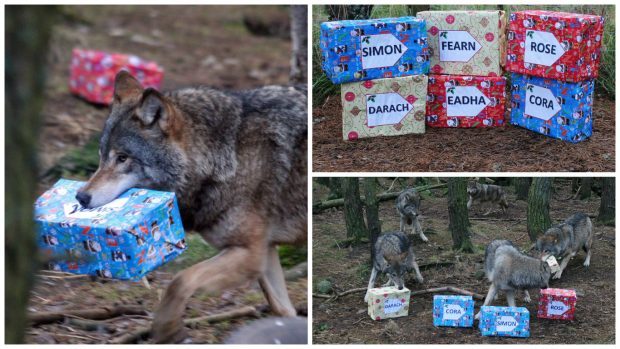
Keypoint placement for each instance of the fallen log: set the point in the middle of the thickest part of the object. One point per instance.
(297, 272)
(323, 205)
(39, 318)
(413, 293)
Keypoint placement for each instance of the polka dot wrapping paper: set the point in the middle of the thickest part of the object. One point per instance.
(388, 302)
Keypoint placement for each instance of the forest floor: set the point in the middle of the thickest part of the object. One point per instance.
(196, 45)
(346, 320)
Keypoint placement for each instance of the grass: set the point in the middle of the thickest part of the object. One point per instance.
(322, 87)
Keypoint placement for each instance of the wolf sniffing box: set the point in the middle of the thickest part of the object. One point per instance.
(93, 72)
(384, 107)
(554, 108)
(465, 42)
(465, 101)
(388, 302)
(504, 321)
(453, 311)
(354, 50)
(558, 304)
(554, 45)
(124, 239)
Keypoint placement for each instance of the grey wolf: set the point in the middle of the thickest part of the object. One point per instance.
(509, 270)
(486, 193)
(408, 206)
(237, 163)
(564, 240)
(394, 257)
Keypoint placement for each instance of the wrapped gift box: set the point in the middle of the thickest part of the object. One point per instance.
(388, 302)
(555, 303)
(504, 321)
(384, 107)
(465, 42)
(554, 108)
(554, 45)
(124, 239)
(373, 49)
(92, 73)
(465, 101)
(453, 311)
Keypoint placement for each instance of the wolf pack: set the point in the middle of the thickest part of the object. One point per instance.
(507, 268)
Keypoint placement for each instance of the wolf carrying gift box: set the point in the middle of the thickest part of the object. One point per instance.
(465, 42)
(93, 72)
(557, 304)
(388, 302)
(465, 101)
(453, 311)
(124, 239)
(384, 107)
(554, 45)
(504, 321)
(354, 50)
(554, 108)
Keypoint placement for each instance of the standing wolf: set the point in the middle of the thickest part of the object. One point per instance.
(237, 163)
(564, 240)
(408, 206)
(394, 257)
(509, 270)
(486, 193)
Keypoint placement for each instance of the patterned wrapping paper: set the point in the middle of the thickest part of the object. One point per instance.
(373, 49)
(466, 42)
(554, 108)
(453, 311)
(384, 107)
(554, 45)
(93, 72)
(504, 321)
(558, 304)
(465, 101)
(388, 302)
(125, 239)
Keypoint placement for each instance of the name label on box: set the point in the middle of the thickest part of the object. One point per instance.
(542, 48)
(505, 323)
(457, 46)
(386, 108)
(540, 102)
(452, 311)
(382, 50)
(557, 308)
(465, 101)
(75, 210)
(392, 306)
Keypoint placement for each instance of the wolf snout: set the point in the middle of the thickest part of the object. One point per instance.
(83, 198)
(400, 288)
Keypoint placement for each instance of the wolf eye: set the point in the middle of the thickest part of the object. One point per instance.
(121, 158)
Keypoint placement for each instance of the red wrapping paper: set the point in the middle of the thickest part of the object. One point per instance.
(557, 304)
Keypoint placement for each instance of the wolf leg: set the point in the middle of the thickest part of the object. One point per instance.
(588, 248)
(510, 296)
(274, 287)
(563, 265)
(526, 296)
(402, 223)
(469, 202)
(371, 283)
(490, 296)
(412, 264)
(389, 282)
(418, 229)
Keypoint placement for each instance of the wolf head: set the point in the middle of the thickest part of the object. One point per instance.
(473, 187)
(396, 268)
(551, 243)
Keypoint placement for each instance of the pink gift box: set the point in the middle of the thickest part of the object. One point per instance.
(558, 304)
(93, 72)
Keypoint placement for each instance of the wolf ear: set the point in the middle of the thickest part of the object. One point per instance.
(152, 109)
(126, 87)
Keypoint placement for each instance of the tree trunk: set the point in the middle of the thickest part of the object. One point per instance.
(372, 212)
(586, 188)
(457, 212)
(606, 213)
(522, 187)
(538, 220)
(340, 12)
(353, 214)
(299, 38)
(27, 34)
(413, 10)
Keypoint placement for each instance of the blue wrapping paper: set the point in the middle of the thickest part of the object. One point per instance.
(554, 108)
(355, 50)
(453, 311)
(504, 321)
(125, 239)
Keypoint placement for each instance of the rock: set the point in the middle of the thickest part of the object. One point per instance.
(324, 287)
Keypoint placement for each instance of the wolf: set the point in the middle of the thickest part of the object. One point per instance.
(564, 240)
(408, 206)
(394, 257)
(486, 193)
(509, 270)
(237, 164)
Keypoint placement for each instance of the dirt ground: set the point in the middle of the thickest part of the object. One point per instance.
(346, 320)
(196, 45)
(506, 149)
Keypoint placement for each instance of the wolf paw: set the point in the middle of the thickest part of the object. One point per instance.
(420, 279)
(527, 299)
(557, 275)
(424, 238)
(586, 263)
(477, 317)
(366, 297)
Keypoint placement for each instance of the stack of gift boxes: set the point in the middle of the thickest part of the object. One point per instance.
(383, 64)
